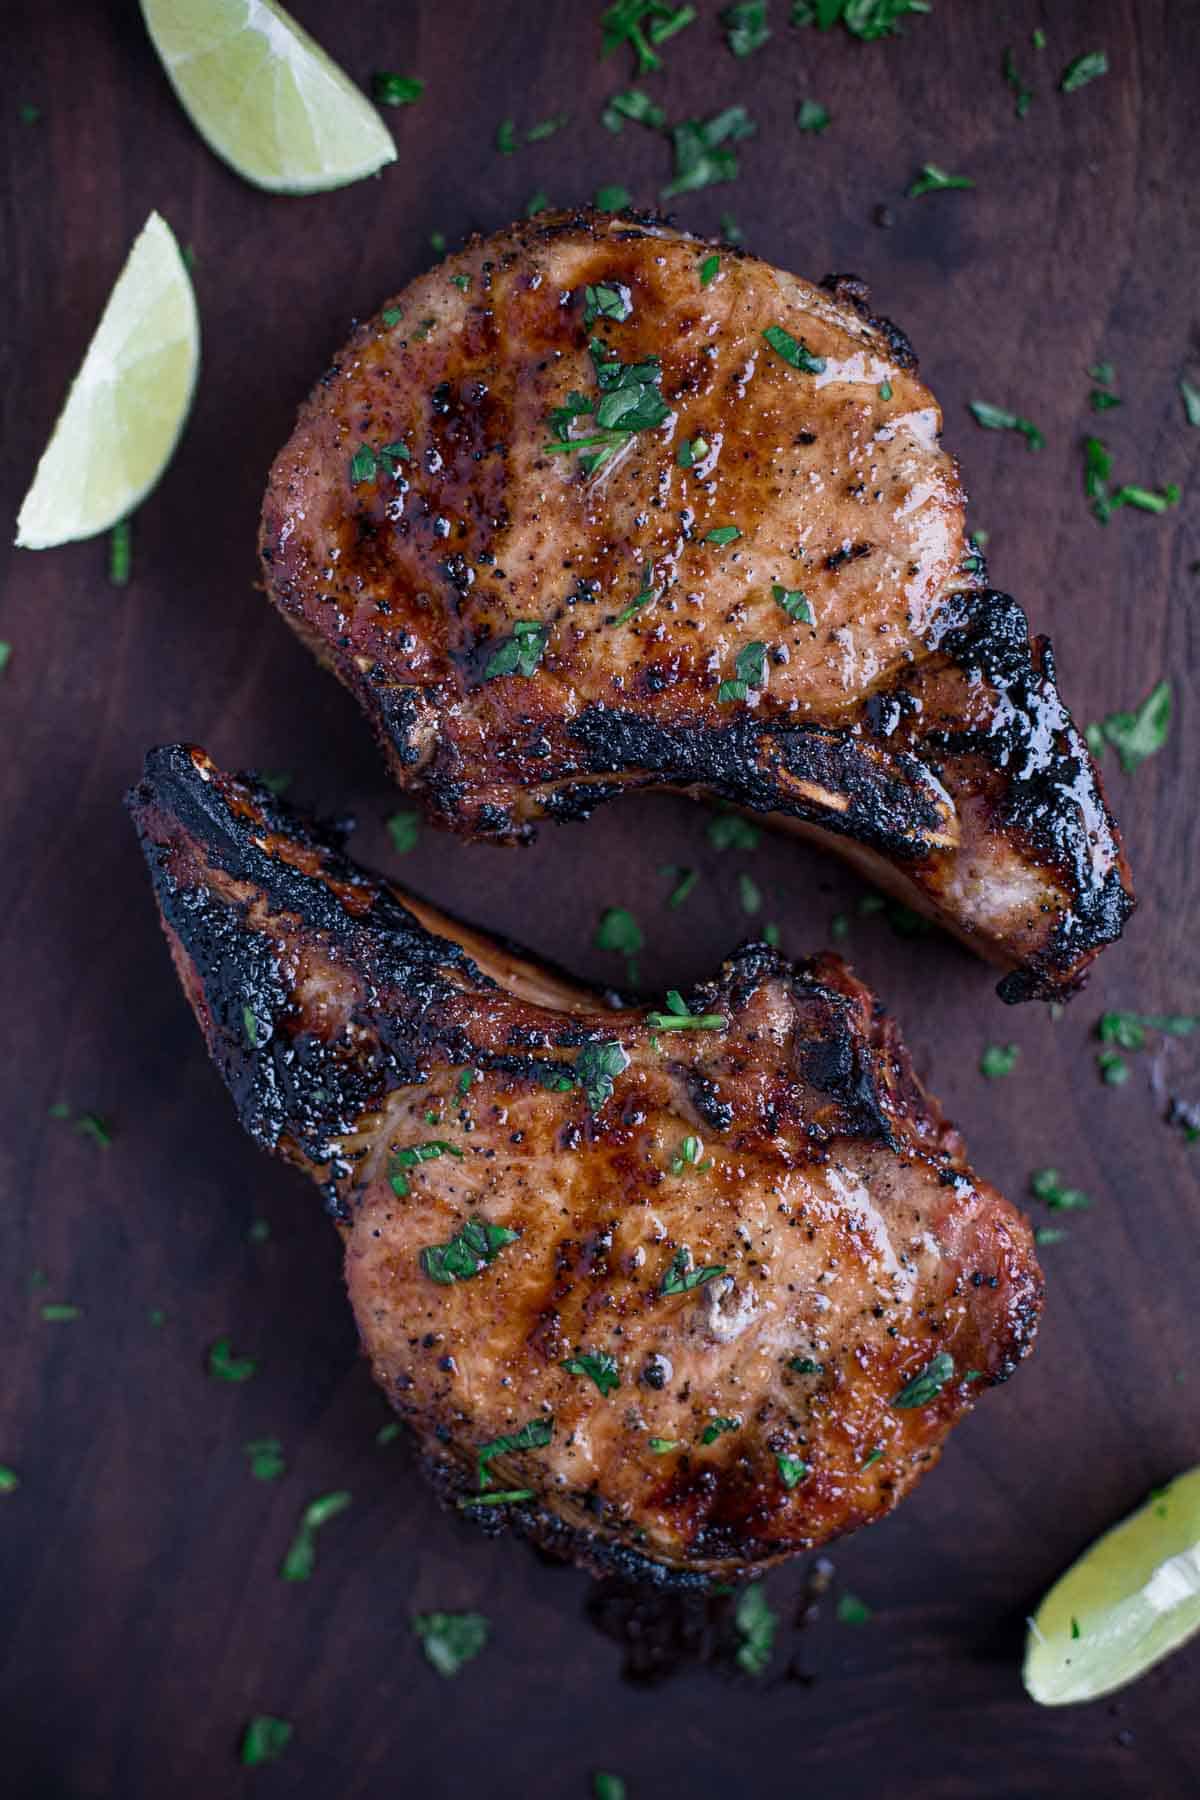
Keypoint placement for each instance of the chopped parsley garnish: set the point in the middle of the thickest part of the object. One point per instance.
(998, 1059)
(613, 198)
(864, 19)
(1129, 1029)
(852, 1611)
(678, 1018)
(749, 671)
(437, 242)
(264, 1740)
(731, 231)
(746, 28)
(89, 1124)
(509, 1497)
(533, 1436)
(728, 831)
(57, 1312)
(546, 128)
(630, 401)
(1112, 1067)
(266, 1458)
(1097, 468)
(225, 1365)
(607, 300)
(1022, 96)
(391, 316)
(872, 1458)
(709, 269)
(642, 24)
(462, 283)
(717, 1428)
(607, 1787)
(1190, 396)
(120, 553)
(519, 654)
(1138, 734)
(793, 350)
(932, 180)
(791, 1470)
(723, 534)
(804, 1365)
(250, 1027)
(388, 89)
(749, 893)
(388, 1434)
(701, 148)
(756, 1622)
(28, 113)
(663, 1446)
(301, 1557)
(598, 1366)
(994, 418)
(1085, 68)
(1100, 400)
(404, 829)
(690, 452)
(812, 116)
(596, 1068)
(795, 603)
(619, 931)
(5, 654)
(363, 466)
(451, 1640)
(1047, 1185)
(471, 1250)
(771, 934)
(926, 1385)
(1038, 38)
(681, 1277)
(635, 606)
(506, 137)
(634, 105)
(10, 1481)
(412, 1156)
(688, 1157)
(685, 882)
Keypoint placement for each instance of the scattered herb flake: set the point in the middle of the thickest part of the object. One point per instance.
(681, 1277)
(642, 24)
(607, 300)
(389, 89)
(10, 1481)
(266, 1458)
(663, 1446)
(451, 1640)
(619, 931)
(701, 149)
(1022, 96)
(613, 198)
(926, 1385)
(28, 113)
(1047, 1185)
(1112, 1067)
(687, 879)
(756, 1622)
(596, 1068)
(472, 1249)
(994, 418)
(1085, 68)
(791, 1470)
(863, 19)
(723, 534)
(60, 1313)
(519, 654)
(1190, 395)
(932, 180)
(853, 1611)
(746, 28)
(264, 1740)
(749, 669)
(413, 1155)
(598, 1366)
(546, 128)
(388, 1434)
(404, 829)
(728, 831)
(793, 350)
(250, 1027)
(5, 654)
(607, 1787)
(506, 137)
(678, 1017)
(363, 466)
(812, 116)
(509, 1497)
(690, 1152)
(717, 1428)
(225, 1365)
(998, 1059)
(301, 1557)
(534, 1435)
(1136, 735)
(1050, 1234)
(391, 316)
(633, 105)
(795, 603)
(749, 893)
(710, 268)
(874, 1456)
(120, 553)
(731, 231)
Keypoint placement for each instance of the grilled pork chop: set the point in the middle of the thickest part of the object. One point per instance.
(685, 1290)
(595, 506)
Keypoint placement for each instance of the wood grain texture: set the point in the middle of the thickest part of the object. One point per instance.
(143, 1619)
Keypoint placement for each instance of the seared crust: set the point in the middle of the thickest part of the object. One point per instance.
(911, 724)
(852, 1242)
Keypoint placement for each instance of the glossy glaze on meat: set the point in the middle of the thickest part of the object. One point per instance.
(785, 1146)
(912, 724)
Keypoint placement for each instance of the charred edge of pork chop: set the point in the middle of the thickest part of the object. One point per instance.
(249, 891)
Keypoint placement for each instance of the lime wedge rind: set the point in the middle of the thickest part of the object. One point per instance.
(265, 97)
(128, 404)
(1130, 1599)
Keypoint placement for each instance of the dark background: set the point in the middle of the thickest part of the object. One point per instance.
(141, 1617)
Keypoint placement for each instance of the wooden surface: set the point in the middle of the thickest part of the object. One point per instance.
(142, 1618)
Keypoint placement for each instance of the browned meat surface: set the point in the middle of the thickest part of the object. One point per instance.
(750, 579)
(691, 1273)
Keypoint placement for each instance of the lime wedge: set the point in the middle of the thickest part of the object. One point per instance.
(265, 97)
(127, 405)
(1129, 1600)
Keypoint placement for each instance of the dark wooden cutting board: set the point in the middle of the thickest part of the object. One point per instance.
(142, 1620)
